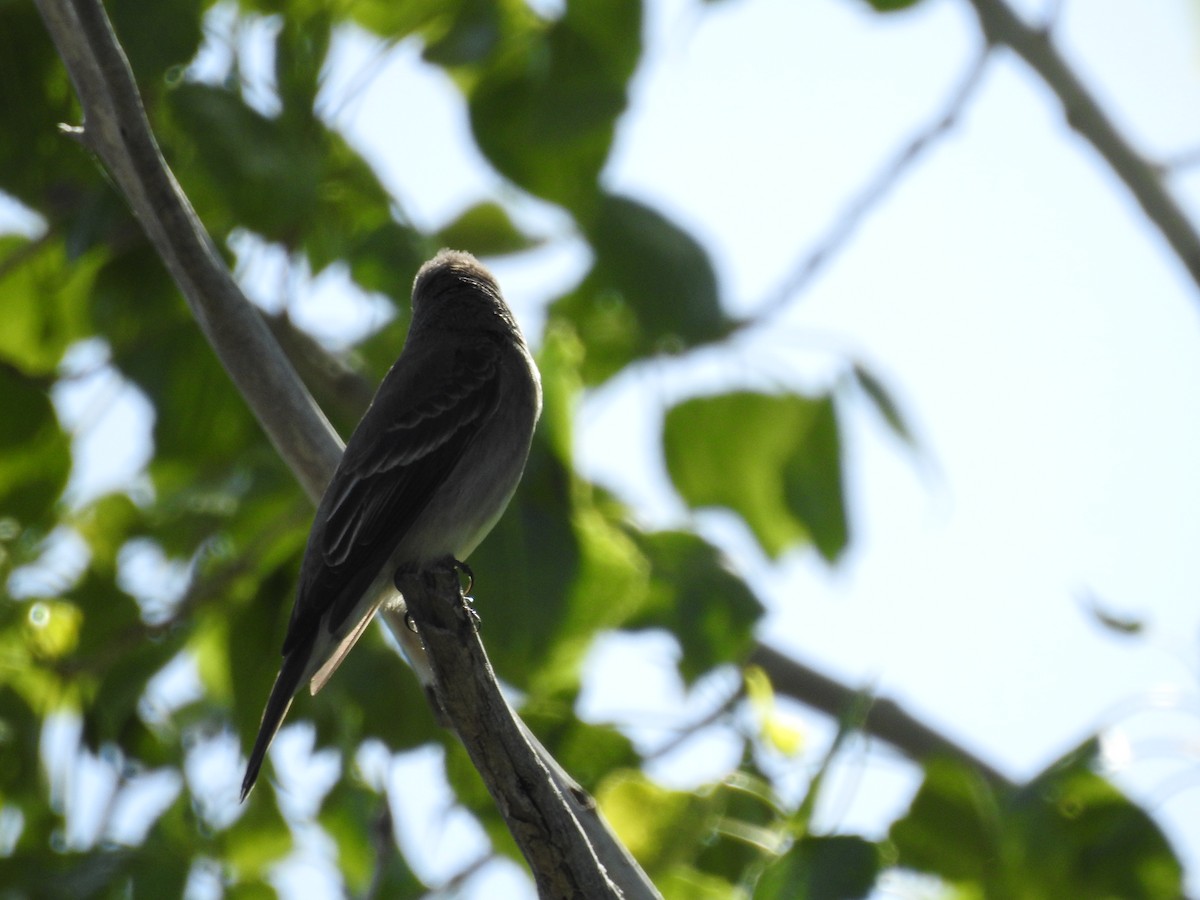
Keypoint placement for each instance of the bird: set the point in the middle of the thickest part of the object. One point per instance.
(425, 476)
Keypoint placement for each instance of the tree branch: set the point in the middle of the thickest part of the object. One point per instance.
(886, 719)
(844, 227)
(115, 128)
(1001, 26)
(540, 819)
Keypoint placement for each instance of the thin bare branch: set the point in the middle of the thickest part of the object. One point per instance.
(1001, 26)
(844, 227)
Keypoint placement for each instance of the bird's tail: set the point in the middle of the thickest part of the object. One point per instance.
(287, 682)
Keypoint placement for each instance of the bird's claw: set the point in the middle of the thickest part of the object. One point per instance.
(463, 568)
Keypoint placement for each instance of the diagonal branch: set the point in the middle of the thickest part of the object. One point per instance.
(885, 719)
(542, 822)
(115, 128)
(844, 227)
(1001, 26)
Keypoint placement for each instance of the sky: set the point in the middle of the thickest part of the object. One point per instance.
(1038, 333)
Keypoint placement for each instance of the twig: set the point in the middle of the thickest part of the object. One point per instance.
(885, 180)
(1001, 26)
(1179, 163)
(885, 719)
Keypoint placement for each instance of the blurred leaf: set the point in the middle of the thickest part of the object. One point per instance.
(839, 867)
(1068, 833)
(468, 33)
(112, 714)
(544, 112)
(953, 826)
(301, 46)
(652, 289)
(52, 628)
(886, 6)
(343, 815)
(588, 752)
(257, 840)
(775, 460)
(660, 827)
(156, 34)
(780, 734)
(485, 230)
(45, 302)
(393, 20)
(695, 595)
(1126, 626)
(686, 883)
(253, 889)
(161, 868)
(264, 175)
(36, 163)
(1083, 837)
(106, 524)
(883, 401)
(34, 451)
(19, 732)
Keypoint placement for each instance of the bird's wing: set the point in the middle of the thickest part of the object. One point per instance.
(402, 451)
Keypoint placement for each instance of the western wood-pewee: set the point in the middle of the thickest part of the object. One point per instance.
(424, 477)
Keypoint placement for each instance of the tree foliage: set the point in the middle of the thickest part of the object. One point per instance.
(566, 564)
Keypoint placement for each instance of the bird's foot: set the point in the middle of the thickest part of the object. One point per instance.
(464, 569)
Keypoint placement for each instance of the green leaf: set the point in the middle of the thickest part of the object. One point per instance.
(886, 6)
(840, 867)
(774, 460)
(266, 175)
(393, 20)
(1082, 837)
(35, 456)
(161, 866)
(45, 302)
(687, 883)
(157, 34)
(883, 401)
(545, 112)
(36, 162)
(360, 824)
(300, 50)
(952, 827)
(588, 752)
(1068, 833)
(661, 828)
(106, 524)
(485, 230)
(257, 840)
(652, 289)
(694, 594)
(468, 33)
